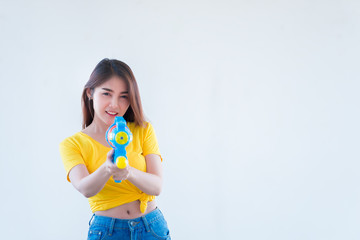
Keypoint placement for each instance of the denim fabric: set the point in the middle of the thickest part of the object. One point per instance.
(150, 226)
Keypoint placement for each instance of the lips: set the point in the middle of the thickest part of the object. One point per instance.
(113, 114)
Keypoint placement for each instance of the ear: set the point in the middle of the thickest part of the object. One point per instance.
(89, 93)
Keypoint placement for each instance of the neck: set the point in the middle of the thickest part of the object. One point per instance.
(98, 127)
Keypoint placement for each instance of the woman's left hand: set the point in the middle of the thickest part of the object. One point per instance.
(122, 174)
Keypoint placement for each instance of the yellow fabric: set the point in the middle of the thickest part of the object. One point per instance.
(82, 149)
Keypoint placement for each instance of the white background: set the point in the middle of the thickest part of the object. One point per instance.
(255, 105)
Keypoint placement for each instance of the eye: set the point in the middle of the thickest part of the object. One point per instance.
(106, 94)
(124, 96)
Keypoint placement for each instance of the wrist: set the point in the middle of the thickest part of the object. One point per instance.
(131, 173)
(105, 171)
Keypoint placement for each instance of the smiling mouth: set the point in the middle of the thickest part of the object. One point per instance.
(111, 113)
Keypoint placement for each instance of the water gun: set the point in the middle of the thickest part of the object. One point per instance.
(119, 136)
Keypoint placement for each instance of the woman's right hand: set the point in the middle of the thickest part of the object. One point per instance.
(112, 169)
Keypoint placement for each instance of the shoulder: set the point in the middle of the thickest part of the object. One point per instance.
(78, 140)
(140, 130)
(142, 134)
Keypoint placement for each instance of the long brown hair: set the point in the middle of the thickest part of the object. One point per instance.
(103, 71)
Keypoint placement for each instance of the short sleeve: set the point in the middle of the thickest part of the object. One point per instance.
(70, 155)
(150, 145)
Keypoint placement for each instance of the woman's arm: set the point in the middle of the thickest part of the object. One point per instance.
(150, 182)
(90, 184)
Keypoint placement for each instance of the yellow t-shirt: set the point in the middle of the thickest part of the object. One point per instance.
(82, 149)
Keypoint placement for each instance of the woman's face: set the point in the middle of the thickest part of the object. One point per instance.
(110, 99)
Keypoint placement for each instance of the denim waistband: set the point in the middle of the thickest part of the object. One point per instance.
(134, 223)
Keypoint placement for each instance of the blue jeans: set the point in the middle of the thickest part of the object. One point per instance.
(150, 226)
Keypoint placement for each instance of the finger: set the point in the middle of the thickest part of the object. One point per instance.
(116, 177)
(110, 153)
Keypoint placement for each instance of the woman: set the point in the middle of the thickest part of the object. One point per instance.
(125, 210)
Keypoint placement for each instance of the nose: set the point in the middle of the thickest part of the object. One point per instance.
(114, 102)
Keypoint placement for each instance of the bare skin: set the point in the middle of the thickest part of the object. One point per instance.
(127, 211)
(89, 185)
